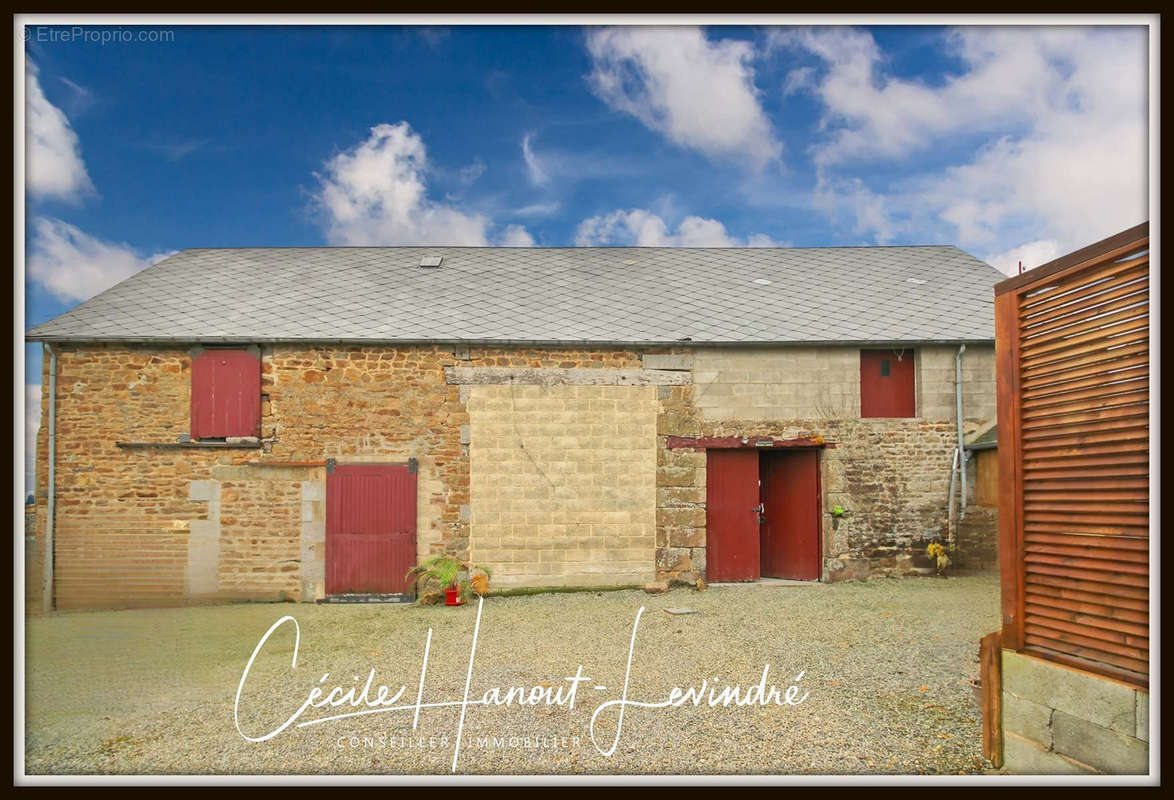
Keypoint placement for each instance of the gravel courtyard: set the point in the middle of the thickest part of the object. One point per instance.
(887, 665)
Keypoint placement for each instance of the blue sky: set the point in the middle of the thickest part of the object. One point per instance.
(1012, 143)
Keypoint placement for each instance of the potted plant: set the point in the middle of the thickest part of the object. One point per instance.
(456, 578)
(937, 552)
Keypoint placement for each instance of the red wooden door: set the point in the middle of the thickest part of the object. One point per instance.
(370, 528)
(731, 535)
(790, 532)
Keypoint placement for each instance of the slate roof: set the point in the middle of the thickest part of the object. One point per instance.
(986, 441)
(616, 295)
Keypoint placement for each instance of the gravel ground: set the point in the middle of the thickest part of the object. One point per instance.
(887, 665)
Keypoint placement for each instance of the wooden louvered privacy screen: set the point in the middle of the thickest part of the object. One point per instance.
(1072, 342)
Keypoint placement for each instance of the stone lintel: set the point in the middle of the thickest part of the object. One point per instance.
(530, 376)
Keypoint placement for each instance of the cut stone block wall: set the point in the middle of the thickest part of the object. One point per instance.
(562, 483)
(1059, 721)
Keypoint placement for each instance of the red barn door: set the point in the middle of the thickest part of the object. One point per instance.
(790, 531)
(370, 528)
(731, 519)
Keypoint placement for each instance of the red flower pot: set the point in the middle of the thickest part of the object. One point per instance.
(452, 597)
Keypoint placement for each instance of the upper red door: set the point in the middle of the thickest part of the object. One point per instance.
(370, 528)
(790, 545)
(226, 394)
(887, 384)
(731, 497)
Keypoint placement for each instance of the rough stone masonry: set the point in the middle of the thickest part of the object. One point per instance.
(550, 464)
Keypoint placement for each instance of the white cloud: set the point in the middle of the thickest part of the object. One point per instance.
(53, 159)
(376, 194)
(1031, 255)
(534, 168)
(1043, 135)
(516, 236)
(470, 173)
(539, 209)
(74, 266)
(32, 423)
(698, 93)
(643, 228)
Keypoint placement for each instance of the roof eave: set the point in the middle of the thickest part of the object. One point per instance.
(170, 340)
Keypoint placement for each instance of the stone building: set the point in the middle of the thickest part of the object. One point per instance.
(300, 422)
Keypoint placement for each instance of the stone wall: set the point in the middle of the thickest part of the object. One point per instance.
(160, 524)
(890, 475)
(1059, 721)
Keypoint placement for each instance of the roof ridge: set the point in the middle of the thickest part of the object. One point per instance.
(568, 247)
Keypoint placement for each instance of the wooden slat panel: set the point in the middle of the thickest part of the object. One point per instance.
(1104, 606)
(1128, 676)
(1103, 358)
(1121, 644)
(1093, 273)
(1102, 386)
(1076, 504)
(1044, 607)
(1070, 329)
(1066, 385)
(1095, 372)
(1051, 450)
(1084, 563)
(1076, 540)
(1138, 433)
(1124, 284)
(1125, 596)
(1077, 527)
(1045, 433)
(1072, 359)
(1132, 300)
(1079, 461)
(1136, 412)
(1097, 339)
(1127, 333)
(1090, 472)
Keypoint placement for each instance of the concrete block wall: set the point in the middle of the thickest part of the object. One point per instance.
(763, 384)
(757, 384)
(562, 481)
(1062, 721)
(936, 398)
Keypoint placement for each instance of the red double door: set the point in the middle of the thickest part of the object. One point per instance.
(370, 528)
(763, 515)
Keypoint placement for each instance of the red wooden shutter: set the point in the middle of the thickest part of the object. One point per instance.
(886, 384)
(226, 394)
(1072, 341)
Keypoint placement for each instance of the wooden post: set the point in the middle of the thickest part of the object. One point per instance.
(990, 672)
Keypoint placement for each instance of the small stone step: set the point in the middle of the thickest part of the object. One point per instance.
(367, 598)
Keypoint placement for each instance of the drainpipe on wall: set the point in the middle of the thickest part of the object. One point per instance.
(47, 588)
(951, 522)
(961, 446)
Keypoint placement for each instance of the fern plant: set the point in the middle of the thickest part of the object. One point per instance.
(444, 571)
